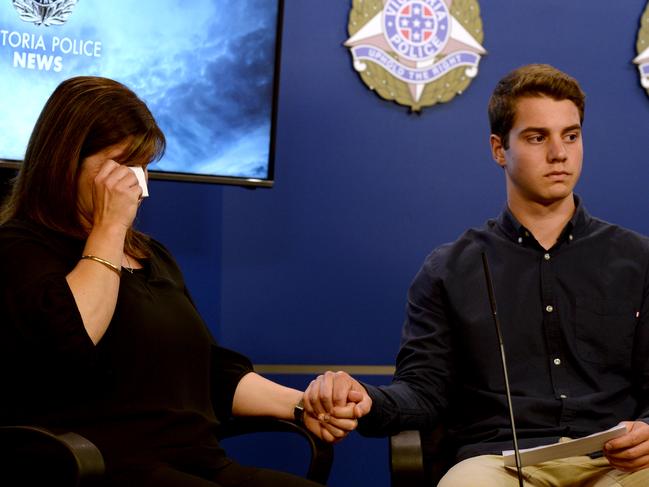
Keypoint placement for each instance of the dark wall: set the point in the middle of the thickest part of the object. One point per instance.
(316, 269)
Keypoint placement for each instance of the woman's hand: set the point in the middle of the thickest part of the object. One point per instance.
(115, 195)
(331, 394)
(333, 402)
(332, 429)
(257, 396)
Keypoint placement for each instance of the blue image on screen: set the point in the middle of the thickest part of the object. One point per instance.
(205, 68)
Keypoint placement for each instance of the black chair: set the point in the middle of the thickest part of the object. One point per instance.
(419, 458)
(322, 453)
(31, 456)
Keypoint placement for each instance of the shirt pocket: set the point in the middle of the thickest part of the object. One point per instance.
(604, 330)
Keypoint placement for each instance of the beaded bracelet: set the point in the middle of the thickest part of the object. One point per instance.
(109, 265)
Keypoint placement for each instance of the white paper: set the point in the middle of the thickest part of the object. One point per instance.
(572, 448)
(141, 179)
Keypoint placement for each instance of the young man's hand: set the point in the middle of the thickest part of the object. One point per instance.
(630, 452)
(331, 394)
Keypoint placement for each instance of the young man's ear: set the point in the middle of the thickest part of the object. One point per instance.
(497, 149)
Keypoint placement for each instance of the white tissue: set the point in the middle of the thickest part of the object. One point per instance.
(139, 174)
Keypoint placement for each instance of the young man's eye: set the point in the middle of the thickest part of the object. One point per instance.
(536, 139)
(571, 137)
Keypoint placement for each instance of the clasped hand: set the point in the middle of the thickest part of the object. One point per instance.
(333, 403)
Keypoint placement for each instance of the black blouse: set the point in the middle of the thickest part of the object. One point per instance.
(147, 391)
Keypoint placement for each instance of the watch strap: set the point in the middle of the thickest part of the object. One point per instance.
(298, 412)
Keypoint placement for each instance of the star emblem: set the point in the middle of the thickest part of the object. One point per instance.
(428, 35)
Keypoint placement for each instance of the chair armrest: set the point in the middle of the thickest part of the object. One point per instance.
(406, 460)
(321, 452)
(420, 457)
(28, 452)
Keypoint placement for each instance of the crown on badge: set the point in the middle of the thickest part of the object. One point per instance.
(44, 12)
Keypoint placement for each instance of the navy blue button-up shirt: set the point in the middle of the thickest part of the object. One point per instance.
(575, 322)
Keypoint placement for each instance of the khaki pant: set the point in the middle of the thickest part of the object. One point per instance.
(488, 471)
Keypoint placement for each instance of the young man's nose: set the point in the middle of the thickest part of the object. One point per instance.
(557, 150)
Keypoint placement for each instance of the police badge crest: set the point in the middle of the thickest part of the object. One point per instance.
(642, 47)
(44, 12)
(416, 52)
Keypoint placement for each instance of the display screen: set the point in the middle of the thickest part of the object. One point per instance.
(205, 68)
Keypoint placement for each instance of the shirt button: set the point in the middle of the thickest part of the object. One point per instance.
(570, 237)
(563, 396)
(520, 239)
(557, 361)
(549, 309)
(546, 256)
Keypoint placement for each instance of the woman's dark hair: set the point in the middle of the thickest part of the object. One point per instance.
(83, 116)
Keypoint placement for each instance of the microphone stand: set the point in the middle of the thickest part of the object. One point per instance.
(494, 312)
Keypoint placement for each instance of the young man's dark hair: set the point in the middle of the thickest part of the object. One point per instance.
(532, 80)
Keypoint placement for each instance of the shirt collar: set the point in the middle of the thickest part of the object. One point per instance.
(575, 228)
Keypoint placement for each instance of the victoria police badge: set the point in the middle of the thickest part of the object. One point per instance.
(44, 12)
(416, 52)
(642, 47)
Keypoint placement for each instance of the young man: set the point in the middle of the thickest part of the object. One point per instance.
(573, 302)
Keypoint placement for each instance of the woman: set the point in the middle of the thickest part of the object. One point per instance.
(97, 330)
